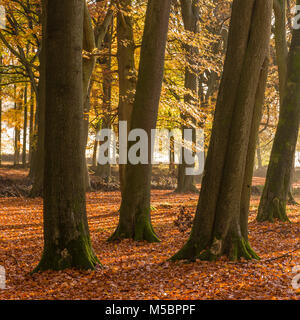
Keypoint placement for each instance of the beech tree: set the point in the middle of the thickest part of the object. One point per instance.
(66, 234)
(126, 70)
(135, 219)
(92, 39)
(273, 201)
(220, 224)
(190, 15)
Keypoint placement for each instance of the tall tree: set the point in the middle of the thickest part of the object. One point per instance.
(17, 131)
(281, 46)
(92, 39)
(126, 70)
(66, 234)
(104, 170)
(38, 153)
(0, 130)
(0, 114)
(25, 128)
(190, 14)
(273, 201)
(31, 123)
(220, 224)
(135, 221)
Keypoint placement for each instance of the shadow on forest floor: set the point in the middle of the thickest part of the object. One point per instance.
(141, 270)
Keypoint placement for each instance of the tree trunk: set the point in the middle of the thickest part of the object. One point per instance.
(0, 115)
(37, 163)
(281, 44)
(25, 128)
(135, 221)
(281, 57)
(126, 71)
(89, 44)
(88, 65)
(92, 39)
(258, 153)
(104, 171)
(17, 133)
(66, 235)
(0, 132)
(220, 224)
(95, 148)
(273, 201)
(291, 200)
(31, 124)
(190, 14)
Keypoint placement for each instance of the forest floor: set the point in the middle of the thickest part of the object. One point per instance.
(140, 270)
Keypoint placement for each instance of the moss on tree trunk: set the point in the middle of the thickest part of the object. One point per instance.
(66, 234)
(220, 224)
(134, 219)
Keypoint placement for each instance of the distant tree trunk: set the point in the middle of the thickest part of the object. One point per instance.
(17, 135)
(66, 235)
(31, 124)
(281, 44)
(0, 116)
(135, 221)
(25, 128)
(17, 146)
(172, 155)
(220, 224)
(273, 201)
(190, 14)
(126, 71)
(93, 38)
(104, 171)
(89, 45)
(95, 148)
(0, 131)
(258, 153)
